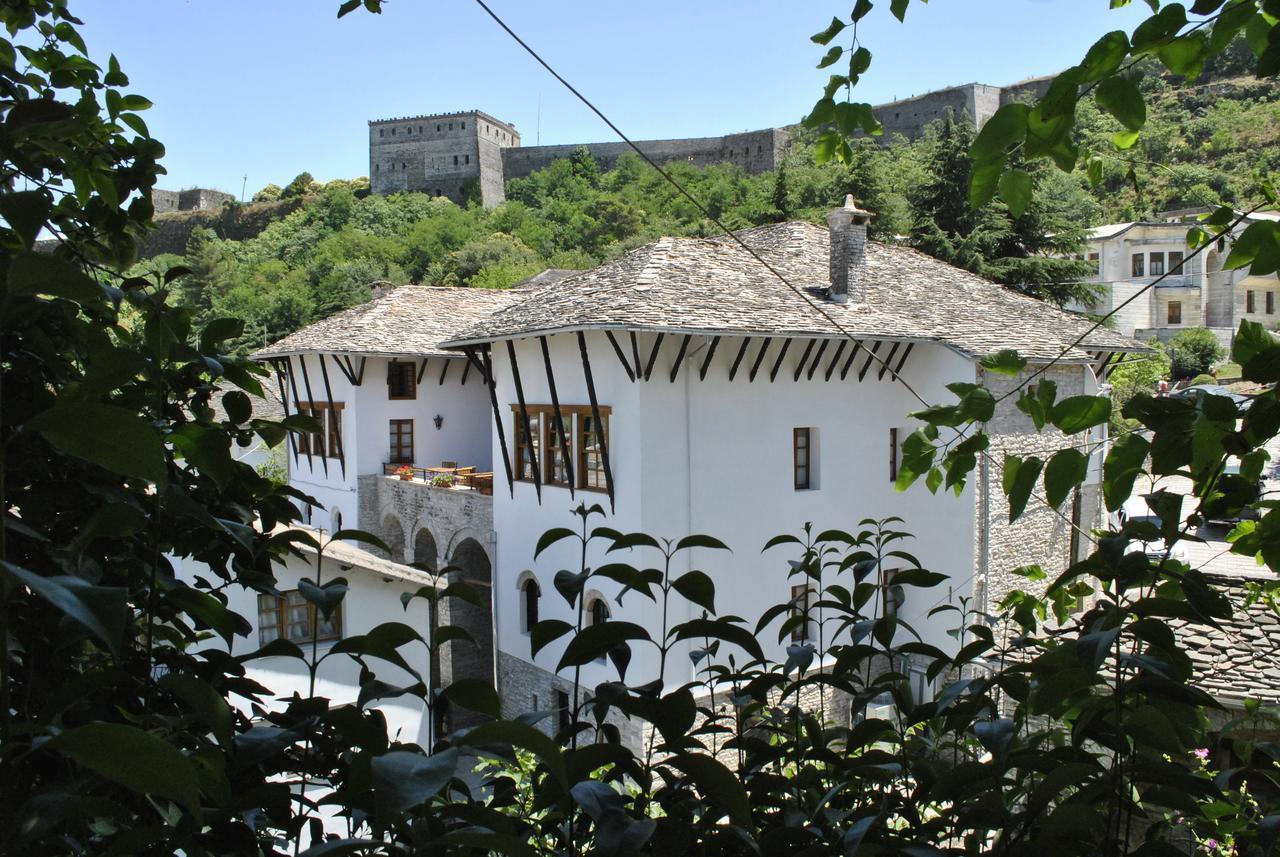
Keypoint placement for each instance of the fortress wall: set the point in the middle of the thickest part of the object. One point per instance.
(986, 101)
(1026, 90)
(754, 151)
(164, 200)
(909, 116)
(492, 186)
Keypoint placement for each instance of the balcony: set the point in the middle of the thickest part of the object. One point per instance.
(422, 521)
(447, 476)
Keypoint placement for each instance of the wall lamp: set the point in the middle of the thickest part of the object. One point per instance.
(438, 420)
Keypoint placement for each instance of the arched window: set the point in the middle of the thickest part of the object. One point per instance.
(530, 593)
(335, 519)
(598, 611)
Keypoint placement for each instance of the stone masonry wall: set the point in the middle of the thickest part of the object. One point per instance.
(1041, 536)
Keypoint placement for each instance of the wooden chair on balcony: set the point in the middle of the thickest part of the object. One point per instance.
(448, 465)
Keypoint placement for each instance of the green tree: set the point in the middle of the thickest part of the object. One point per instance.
(301, 185)
(1194, 351)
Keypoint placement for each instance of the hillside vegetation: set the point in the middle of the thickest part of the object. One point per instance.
(1201, 145)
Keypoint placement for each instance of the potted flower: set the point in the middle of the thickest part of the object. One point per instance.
(405, 472)
(442, 480)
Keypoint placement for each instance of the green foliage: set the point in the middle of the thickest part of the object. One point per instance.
(1194, 351)
(1202, 379)
(1137, 375)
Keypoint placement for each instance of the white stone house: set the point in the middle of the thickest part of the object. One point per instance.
(699, 394)
(1194, 292)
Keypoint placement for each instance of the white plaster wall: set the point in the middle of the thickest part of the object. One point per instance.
(370, 601)
(716, 458)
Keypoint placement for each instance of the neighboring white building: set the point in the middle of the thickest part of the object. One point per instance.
(697, 394)
(1194, 292)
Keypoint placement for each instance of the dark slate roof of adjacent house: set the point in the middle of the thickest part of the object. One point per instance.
(713, 286)
(1242, 659)
(406, 321)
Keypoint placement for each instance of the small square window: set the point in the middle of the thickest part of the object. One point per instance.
(1271, 303)
(1249, 305)
(293, 618)
(1175, 312)
(1175, 262)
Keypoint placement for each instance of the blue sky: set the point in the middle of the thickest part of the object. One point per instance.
(268, 88)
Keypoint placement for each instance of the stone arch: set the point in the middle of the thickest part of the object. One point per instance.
(393, 535)
(461, 659)
(426, 552)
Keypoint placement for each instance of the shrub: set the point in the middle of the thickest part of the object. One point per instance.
(1193, 352)
(1203, 379)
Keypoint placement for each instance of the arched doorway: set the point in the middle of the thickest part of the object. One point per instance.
(393, 535)
(425, 553)
(461, 659)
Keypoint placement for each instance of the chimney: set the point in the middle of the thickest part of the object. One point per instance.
(848, 225)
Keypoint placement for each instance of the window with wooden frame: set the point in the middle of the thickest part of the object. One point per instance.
(525, 463)
(1271, 303)
(802, 458)
(402, 381)
(1249, 305)
(328, 440)
(293, 618)
(1175, 312)
(530, 593)
(1139, 268)
(1156, 266)
(802, 596)
(892, 594)
(893, 455)
(559, 438)
(334, 434)
(592, 437)
(1175, 262)
(401, 444)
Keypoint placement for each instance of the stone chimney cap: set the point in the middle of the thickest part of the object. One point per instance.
(858, 215)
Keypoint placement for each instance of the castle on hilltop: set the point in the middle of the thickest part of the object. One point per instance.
(446, 154)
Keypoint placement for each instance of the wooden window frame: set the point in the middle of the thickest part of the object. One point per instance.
(1270, 302)
(1152, 259)
(279, 606)
(326, 442)
(802, 474)
(1250, 305)
(542, 415)
(801, 596)
(1169, 313)
(392, 425)
(581, 450)
(1138, 265)
(551, 451)
(406, 375)
(334, 427)
(1174, 262)
(893, 454)
(522, 449)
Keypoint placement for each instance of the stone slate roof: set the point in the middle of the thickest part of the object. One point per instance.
(407, 321)
(689, 285)
(1241, 660)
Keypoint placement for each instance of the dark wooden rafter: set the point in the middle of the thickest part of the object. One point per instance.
(555, 407)
(346, 373)
(835, 359)
(777, 364)
(706, 361)
(804, 358)
(617, 349)
(817, 359)
(334, 415)
(755, 367)
(486, 372)
(888, 361)
(358, 373)
(853, 355)
(871, 356)
(595, 415)
(306, 383)
(675, 367)
(445, 371)
(422, 370)
(653, 356)
(902, 361)
(742, 350)
(293, 386)
(529, 445)
(635, 353)
(473, 360)
(466, 370)
(1110, 363)
(284, 402)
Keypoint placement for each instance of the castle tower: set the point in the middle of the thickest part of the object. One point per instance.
(443, 154)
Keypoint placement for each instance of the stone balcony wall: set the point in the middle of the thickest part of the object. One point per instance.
(405, 513)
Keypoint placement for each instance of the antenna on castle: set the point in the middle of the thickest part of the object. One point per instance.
(243, 185)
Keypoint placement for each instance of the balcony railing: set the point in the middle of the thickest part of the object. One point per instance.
(453, 477)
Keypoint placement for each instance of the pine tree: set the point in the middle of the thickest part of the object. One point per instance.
(779, 197)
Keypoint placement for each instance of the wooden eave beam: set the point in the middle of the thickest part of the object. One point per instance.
(529, 446)
(853, 355)
(817, 359)
(422, 370)
(445, 371)
(293, 385)
(635, 353)
(360, 374)
(466, 370)
(804, 358)
(902, 361)
(555, 406)
(888, 361)
(835, 358)
(755, 367)
(777, 364)
(653, 356)
(617, 349)
(472, 360)
(871, 355)
(675, 367)
(706, 362)
(337, 361)
(284, 401)
(733, 370)
(333, 414)
(306, 382)
(486, 371)
(595, 415)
